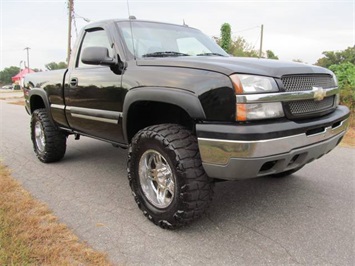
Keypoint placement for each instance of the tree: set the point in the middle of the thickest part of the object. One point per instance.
(8, 73)
(345, 73)
(226, 38)
(337, 57)
(270, 55)
(236, 47)
(342, 63)
(240, 47)
(298, 60)
(54, 65)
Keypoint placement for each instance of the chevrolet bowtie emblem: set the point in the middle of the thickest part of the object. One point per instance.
(319, 93)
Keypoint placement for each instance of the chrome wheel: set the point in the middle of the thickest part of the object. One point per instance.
(39, 136)
(156, 179)
(166, 175)
(49, 142)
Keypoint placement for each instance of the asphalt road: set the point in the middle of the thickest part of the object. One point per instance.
(307, 218)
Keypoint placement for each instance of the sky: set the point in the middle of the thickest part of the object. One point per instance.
(293, 29)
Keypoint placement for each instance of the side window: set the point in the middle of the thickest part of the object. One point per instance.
(94, 38)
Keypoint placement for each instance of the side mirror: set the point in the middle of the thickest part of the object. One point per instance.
(97, 56)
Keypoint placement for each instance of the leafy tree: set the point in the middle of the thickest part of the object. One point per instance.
(8, 73)
(337, 57)
(342, 63)
(54, 65)
(345, 73)
(236, 47)
(226, 38)
(270, 55)
(240, 47)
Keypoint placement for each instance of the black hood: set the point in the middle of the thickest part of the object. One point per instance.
(230, 65)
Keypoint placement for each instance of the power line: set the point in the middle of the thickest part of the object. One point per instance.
(247, 29)
(74, 22)
(76, 15)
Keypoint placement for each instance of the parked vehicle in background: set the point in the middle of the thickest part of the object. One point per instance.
(7, 87)
(188, 113)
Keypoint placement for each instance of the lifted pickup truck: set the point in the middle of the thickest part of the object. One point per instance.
(188, 113)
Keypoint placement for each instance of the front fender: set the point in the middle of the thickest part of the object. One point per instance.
(186, 100)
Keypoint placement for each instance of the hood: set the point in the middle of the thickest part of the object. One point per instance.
(230, 65)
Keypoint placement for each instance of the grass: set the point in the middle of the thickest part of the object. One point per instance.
(31, 235)
(349, 138)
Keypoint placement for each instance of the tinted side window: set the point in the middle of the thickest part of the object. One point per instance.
(94, 38)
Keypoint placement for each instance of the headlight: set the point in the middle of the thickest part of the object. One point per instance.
(255, 111)
(253, 84)
(249, 84)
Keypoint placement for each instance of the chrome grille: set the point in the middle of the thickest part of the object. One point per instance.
(306, 82)
(310, 106)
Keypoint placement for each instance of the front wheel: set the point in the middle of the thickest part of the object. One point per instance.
(166, 175)
(49, 143)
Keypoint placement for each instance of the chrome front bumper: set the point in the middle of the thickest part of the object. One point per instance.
(234, 159)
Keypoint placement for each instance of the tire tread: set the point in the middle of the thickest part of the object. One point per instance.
(197, 189)
(55, 139)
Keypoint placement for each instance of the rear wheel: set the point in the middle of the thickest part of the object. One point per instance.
(49, 143)
(166, 175)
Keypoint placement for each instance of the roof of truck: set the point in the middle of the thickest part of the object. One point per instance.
(109, 21)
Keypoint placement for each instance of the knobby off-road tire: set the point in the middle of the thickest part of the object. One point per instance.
(49, 143)
(166, 175)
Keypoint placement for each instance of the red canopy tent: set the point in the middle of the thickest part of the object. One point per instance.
(20, 75)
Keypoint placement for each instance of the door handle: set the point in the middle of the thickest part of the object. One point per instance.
(74, 82)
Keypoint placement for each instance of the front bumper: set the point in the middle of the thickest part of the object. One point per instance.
(245, 151)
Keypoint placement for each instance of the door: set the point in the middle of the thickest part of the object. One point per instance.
(94, 95)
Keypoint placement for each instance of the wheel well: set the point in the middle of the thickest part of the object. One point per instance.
(36, 102)
(147, 113)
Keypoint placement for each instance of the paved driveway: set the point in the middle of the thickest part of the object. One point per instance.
(307, 218)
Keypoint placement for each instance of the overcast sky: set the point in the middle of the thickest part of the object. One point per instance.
(292, 29)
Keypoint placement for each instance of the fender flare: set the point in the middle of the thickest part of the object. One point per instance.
(186, 100)
(40, 93)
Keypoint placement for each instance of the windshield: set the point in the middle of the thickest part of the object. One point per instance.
(162, 40)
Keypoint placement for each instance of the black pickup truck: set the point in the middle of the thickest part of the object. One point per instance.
(188, 113)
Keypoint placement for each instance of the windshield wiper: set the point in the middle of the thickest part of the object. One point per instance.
(210, 54)
(164, 54)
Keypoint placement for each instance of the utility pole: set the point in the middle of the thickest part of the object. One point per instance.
(70, 16)
(261, 40)
(28, 57)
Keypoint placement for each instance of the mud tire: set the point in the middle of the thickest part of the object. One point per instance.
(193, 188)
(49, 143)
